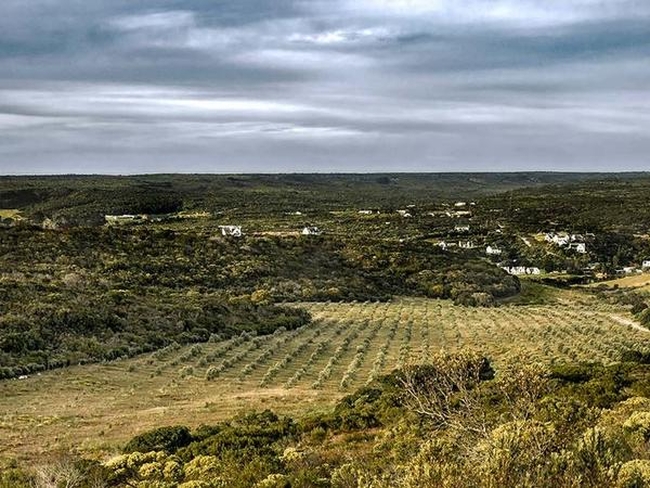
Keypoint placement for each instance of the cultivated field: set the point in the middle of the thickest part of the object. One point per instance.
(347, 345)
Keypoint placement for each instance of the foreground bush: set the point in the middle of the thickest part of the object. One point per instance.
(456, 422)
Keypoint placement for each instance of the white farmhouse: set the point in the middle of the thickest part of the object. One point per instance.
(579, 247)
(462, 228)
(404, 213)
(231, 230)
(493, 251)
(311, 231)
(458, 213)
(466, 245)
(646, 264)
(560, 240)
(115, 219)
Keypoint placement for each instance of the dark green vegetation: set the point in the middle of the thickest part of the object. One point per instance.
(92, 294)
(452, 423)
(85, 199)
(614, 204)
(75, 289)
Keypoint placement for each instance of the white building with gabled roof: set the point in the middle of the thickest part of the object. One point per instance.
(231, 230)
(311, 230)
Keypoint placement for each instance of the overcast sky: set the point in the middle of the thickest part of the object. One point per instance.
(124, 86)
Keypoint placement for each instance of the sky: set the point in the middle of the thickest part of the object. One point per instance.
(245, 86)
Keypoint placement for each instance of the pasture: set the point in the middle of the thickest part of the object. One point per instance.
(641, 280)
(94, 408)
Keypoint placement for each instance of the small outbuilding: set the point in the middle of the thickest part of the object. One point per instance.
(231, 230)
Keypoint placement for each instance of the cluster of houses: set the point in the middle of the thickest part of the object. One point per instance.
(236, 230)
(628, 270)
(491, 250)
(570, 242)
(521, 270)
(126, 218)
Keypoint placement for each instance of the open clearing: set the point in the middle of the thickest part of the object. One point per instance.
(96, 407)
(634, 281)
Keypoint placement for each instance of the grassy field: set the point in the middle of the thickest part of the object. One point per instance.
(634, 281)
(96, 407)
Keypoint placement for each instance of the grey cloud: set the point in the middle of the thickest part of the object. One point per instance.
(168, 85)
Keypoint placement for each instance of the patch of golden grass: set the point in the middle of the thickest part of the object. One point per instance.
(633, 281)
(9, 213)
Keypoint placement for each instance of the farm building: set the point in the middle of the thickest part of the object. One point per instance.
(521, 270)
(231, 230)
(116, 219)
(579, 247)
(493, 251)
(560, 240)
(311, 231)
(458, 213)
(646, 264)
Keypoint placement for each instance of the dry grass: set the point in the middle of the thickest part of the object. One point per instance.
(633, 281)
(97, 407)
(9, 213)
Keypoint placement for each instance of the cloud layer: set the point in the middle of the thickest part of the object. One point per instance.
(115, 86)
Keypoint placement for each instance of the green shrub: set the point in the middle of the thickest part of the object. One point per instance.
(168, 439)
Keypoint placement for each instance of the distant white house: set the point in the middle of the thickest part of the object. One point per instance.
(466, 244)
(521, 270)
(115, 219)
(574, 242)
(462, 228)
(579, 247)
(231, 230)
(311, 231)
(560, 240)
(366, 212)
(493, 251)
(458, 213)
(646, 264)
(629, 269)
(404, 213)
(460, 204)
